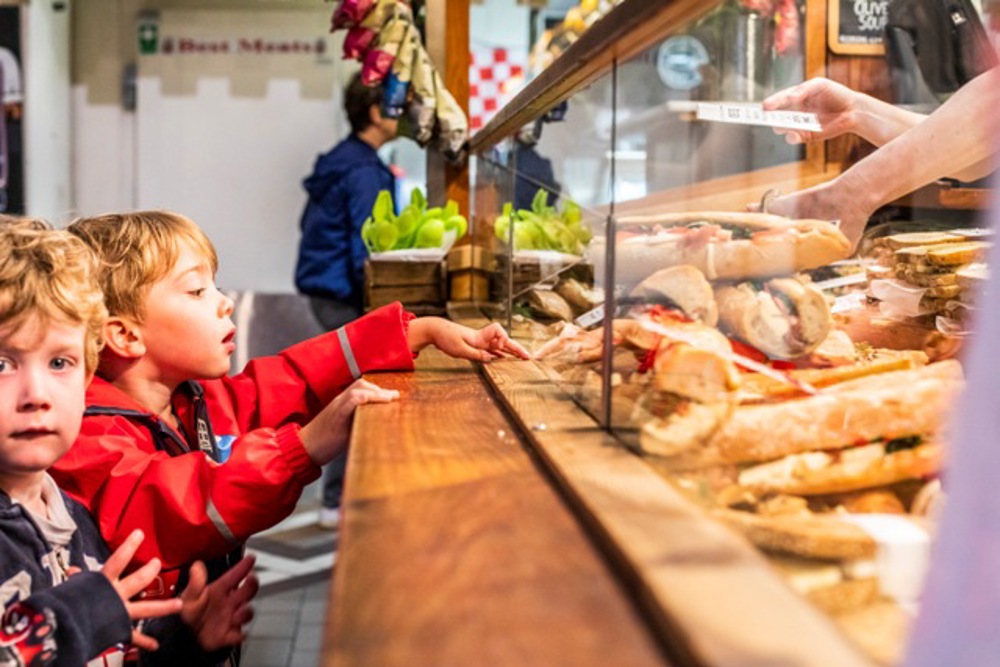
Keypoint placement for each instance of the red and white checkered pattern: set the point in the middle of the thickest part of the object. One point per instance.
(495, 75)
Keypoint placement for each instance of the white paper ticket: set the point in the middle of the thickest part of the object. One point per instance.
(754, 114)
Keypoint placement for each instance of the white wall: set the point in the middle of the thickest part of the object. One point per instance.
(46, 58)
(225, 139)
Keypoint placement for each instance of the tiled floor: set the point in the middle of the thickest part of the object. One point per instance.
(288, 628)
(294, 562)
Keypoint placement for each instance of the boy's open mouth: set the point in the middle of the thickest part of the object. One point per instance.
(32, 433)
(229, 336)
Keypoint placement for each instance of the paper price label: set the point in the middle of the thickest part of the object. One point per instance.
(591, 317)
(754, 114)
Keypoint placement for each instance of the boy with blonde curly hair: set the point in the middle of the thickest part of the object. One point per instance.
(199, 460)
(51, 553)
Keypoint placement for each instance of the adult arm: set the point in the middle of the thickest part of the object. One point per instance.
(841, 110)
(959, 139)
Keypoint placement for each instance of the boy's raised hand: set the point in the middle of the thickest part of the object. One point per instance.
(218, 612)
(460, 341)
(328, 433)
(131, 585)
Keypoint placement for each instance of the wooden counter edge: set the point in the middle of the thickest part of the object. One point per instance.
(713, 597)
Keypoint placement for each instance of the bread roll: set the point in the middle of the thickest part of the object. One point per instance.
(809, 535)
(822, 473)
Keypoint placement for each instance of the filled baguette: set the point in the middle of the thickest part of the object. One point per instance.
(887, 406)
(725, 245)
(784, 318)
(845, 470)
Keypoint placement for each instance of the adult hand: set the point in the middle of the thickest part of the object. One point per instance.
(827, 201)
(131, 585)
(835, 106)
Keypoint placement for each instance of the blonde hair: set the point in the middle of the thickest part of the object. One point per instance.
(137, 249)
(50, 274)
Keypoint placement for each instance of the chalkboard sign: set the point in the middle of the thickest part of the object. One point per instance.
(857, 26)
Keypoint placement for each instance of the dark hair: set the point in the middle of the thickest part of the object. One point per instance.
(358, 101)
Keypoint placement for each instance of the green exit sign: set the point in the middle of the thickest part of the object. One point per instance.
(149, 37)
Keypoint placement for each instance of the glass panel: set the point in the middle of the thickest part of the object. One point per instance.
(555, 177)
(762, 366)
(792, 377)
(734, 55)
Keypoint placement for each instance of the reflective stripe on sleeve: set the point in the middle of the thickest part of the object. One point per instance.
(220, 525)
(345, 345)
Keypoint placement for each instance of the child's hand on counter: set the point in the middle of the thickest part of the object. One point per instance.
(462, 342)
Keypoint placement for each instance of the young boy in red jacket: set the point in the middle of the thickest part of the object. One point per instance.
(60, 605)
(199, 460)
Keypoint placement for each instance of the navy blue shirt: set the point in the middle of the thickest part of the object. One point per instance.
(342, 190)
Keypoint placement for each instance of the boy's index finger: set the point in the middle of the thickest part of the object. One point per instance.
(122, 556)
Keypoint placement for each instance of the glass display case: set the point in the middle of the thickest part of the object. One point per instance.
(790, 380)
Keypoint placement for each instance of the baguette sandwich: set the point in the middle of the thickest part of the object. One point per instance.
(856, 434)
(784, 318)
(724, 245)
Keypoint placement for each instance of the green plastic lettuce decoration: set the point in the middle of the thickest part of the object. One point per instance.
(543, 227)
(416, 226)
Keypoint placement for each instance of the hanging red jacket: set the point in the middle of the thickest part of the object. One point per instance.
(192, 498)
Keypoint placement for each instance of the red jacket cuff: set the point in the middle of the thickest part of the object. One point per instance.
(295, 455)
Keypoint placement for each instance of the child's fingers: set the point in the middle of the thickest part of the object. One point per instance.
(515, 348)
(130, 586)
(242, 616)
(144, 642)
(122, 556)
(362, 391)
(234, 575)
(247, 591)
(153, 608)
(197, 580)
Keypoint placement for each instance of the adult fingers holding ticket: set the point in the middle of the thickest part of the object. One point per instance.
(958, 140)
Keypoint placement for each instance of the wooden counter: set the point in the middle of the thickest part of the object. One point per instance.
(455, 548)
(469, 539)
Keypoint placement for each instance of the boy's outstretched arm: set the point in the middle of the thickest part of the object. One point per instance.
(462, 342)
(190, 507)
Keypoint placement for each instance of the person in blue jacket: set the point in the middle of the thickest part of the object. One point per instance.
(331, 266)
(342, 190)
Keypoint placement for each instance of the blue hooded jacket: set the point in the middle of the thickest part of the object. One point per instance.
(342, 190)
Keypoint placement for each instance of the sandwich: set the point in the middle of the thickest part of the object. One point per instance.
(723, 245)
(682, 288)
(856, 434)
(784, 318)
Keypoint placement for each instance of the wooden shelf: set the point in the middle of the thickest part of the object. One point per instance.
(627, 30)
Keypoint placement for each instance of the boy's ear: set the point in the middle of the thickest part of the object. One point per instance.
(122, 336)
